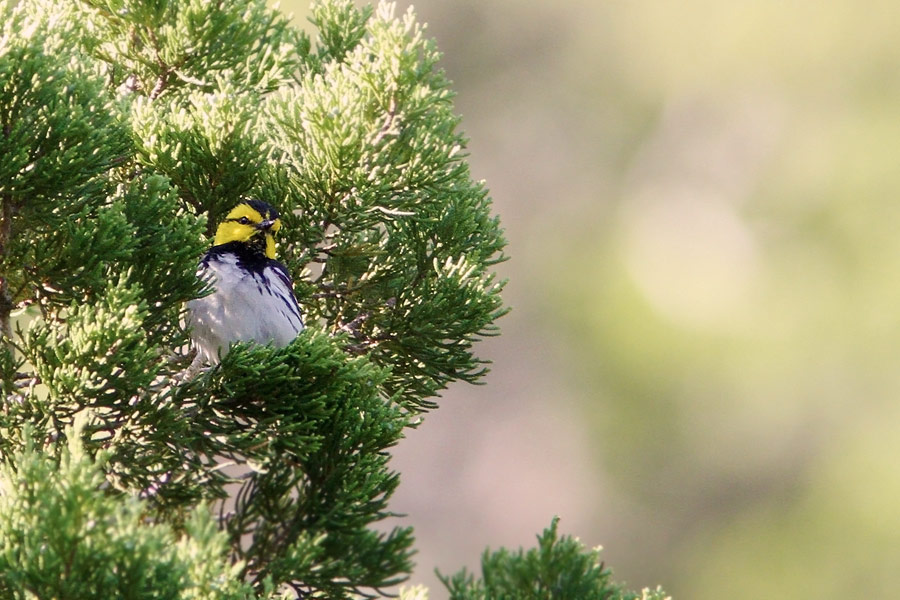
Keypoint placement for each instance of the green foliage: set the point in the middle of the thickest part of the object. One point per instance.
(63, 536)
(163, 47)
(59, 131)
(341, 27)
(157, 219)
(63, 353)
(560, 568)
(127, 129)
(315, 463)
(387, 202)
(205, 143)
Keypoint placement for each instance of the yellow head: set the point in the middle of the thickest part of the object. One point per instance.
(252, 222)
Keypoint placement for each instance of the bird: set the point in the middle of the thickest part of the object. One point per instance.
(253, 295)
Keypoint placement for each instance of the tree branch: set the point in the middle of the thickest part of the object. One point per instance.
(7, 209)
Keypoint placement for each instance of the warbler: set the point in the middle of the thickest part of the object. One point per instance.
(253, 298)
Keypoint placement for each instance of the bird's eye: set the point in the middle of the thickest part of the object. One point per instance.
(244, 221)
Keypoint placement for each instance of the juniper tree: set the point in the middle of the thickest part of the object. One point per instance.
(127, 129)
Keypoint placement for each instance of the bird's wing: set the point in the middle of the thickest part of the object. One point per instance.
(286, 293)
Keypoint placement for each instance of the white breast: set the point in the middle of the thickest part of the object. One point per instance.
(245, 306)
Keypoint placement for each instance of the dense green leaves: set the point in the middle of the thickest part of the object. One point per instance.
(63, 536)
(388, 204)
(58, 127)
(160, 47)
(205, 143)
(59, 131)
(560, 568)
(313, 468)
(64, 353)
(127, 129)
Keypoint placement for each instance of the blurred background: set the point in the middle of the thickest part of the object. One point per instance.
(700, 371)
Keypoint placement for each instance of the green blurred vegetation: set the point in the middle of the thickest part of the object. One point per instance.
(702, 205)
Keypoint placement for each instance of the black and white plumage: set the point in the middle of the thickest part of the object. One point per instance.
(253, 297)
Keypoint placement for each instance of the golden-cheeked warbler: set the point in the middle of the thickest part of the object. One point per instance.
(253, 296)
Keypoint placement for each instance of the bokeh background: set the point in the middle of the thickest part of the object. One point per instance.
(701, 369)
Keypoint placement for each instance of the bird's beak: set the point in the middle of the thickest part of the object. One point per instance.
(265, 225)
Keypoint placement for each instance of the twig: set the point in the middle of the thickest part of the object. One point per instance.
(352, 327)
(7, 209)
(162, 79)
(388, 127)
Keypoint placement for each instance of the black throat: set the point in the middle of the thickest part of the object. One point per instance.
(251, 255)
(257, 243)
